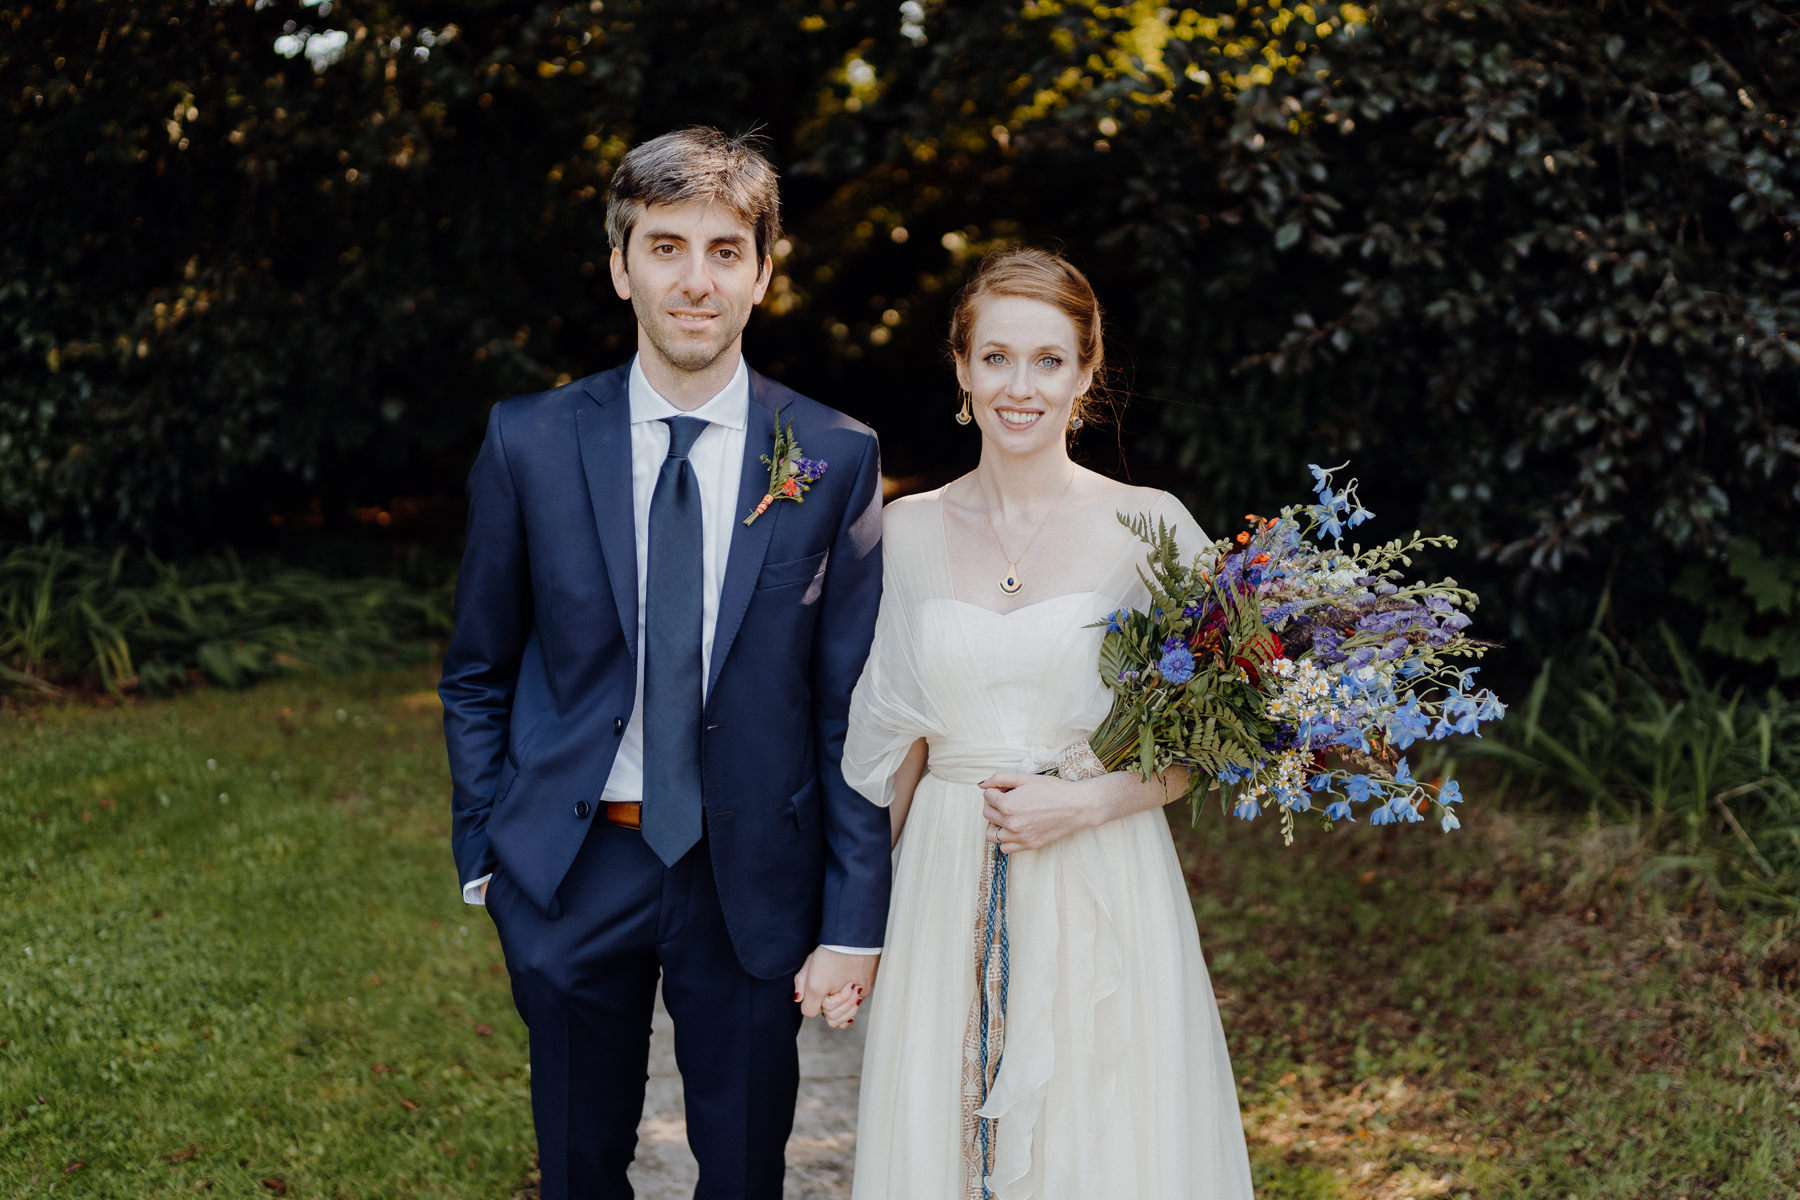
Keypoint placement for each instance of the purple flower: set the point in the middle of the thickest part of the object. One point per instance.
(1282, 612)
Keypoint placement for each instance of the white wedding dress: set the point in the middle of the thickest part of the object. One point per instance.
(1114, 1082)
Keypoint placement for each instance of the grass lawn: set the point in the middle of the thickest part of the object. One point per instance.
(233, 960)
(233, 951)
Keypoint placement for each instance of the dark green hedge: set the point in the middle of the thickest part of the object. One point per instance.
(1529, 263)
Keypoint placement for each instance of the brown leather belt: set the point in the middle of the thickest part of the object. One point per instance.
(616, 812)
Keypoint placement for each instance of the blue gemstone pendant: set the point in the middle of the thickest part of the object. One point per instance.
(1012, 585)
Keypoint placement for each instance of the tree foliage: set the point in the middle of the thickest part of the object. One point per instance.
(1529, 264)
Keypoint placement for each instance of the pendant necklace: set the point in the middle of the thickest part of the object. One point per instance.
(1012, 585)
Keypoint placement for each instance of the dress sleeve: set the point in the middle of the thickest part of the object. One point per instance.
(888, 710)
(1189, 537)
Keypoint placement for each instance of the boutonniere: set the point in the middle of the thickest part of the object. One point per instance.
(790, 474)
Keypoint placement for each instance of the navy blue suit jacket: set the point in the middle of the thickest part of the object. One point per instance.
(541, 671)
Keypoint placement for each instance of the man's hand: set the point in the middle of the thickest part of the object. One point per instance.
(834, 984)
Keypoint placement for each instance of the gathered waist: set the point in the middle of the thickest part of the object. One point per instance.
(960, 760)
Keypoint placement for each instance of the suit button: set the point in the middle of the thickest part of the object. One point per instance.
(618, 726)
(582, 809)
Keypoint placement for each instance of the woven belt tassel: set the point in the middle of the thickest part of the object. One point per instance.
(985, 1037)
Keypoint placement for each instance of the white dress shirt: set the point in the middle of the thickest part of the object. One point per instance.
(717, 457)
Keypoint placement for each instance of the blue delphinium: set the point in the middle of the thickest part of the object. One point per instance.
(1231, 773)
(1407, 724)
(1451, 793)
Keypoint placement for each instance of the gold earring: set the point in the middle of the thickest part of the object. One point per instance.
(964, 416)
(1074, 424)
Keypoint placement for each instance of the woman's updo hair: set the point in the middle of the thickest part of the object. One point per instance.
(1035, 275)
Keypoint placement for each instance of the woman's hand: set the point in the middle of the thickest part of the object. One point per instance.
(1028, 812)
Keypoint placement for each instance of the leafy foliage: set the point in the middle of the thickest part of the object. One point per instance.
(260, 253)
(1753, 614)
(1710, 775)
(1531, 259)
(118, 621)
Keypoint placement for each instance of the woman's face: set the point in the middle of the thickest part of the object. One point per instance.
(1022, 372)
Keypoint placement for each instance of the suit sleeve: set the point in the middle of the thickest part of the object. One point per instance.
(858, 867)
(481, 664)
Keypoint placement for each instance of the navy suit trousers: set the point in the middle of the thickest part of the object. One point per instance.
(585, 984)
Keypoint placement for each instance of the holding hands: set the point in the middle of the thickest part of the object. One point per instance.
(833, 984)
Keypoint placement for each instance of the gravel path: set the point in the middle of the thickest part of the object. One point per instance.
(824, 1141)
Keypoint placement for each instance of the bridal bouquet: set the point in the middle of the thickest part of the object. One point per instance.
(1294, 672)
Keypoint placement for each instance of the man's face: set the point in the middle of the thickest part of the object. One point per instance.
(692, 276)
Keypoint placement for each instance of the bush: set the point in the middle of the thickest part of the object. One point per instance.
(1709, 776)
(87, 618)
(1529, 263)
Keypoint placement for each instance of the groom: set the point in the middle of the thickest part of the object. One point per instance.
(645, 698)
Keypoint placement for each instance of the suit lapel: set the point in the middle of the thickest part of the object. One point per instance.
(749, 543)
(604, 431)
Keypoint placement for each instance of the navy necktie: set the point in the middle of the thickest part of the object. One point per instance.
(673, 680)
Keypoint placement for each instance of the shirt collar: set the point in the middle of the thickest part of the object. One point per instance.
(729, 407)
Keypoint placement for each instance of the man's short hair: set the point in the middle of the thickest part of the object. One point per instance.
(696, 163)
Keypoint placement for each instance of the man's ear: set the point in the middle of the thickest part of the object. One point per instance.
(621, 281)
(765, 272)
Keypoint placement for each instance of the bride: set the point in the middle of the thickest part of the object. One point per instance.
(1092, 1065)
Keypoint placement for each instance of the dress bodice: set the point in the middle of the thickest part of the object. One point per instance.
(987, 690)
(1034, 670)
